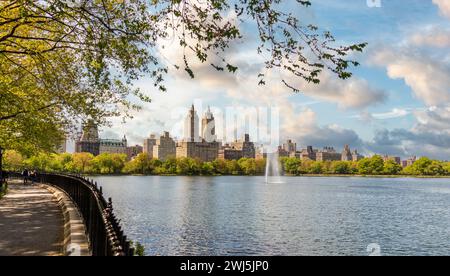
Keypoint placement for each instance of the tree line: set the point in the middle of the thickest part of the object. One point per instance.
(86, 163)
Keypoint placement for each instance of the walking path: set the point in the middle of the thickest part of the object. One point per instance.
(31, 222)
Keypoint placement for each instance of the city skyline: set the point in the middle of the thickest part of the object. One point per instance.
(200, 141)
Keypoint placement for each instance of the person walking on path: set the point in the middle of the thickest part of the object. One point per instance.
(25, 175)
(33, 176)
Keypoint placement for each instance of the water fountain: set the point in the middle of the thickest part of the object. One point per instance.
(273, 172)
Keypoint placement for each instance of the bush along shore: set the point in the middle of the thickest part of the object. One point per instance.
(117, 164)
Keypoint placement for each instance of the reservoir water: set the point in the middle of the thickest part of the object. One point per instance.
(302, 216)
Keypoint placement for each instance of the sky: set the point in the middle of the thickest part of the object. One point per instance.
(397, 102)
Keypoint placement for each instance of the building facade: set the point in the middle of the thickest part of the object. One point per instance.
(205, 147)
(113, 146)
(191, 126)
(356, 156)
(347, 154)
(246, 146)
(395, 159)
(209, 127)
(328, 154)
(149, 143)
(290, 147)
(134, 151)
(308, 154)
(409, 162)
(164, 148)
(89, 141)
(204, 151)
(230, 153)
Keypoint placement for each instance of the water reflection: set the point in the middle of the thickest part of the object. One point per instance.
(303, 216)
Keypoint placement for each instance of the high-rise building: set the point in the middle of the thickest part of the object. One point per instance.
(89, 141)
(149, 143)
(347, 154)
(192, 145)
(290, 147)
(164, 148)
(191, 126)
(209, 127)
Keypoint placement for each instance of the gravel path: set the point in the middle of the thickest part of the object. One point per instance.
(31, 222)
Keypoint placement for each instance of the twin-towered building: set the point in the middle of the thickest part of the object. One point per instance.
(199, 142)
(199, 145)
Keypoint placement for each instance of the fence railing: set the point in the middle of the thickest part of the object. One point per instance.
(106, 237)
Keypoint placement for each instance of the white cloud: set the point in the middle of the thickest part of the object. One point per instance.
(444, 7)
(353, 93)
(429, 79)
(435, 36)
(393, 114)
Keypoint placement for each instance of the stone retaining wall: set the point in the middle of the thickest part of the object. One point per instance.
(75, 241)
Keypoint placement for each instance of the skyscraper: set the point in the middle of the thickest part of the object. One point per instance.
(209, 127)
(191, 126)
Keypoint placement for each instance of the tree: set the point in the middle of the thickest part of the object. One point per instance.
(13, 161)
(391, 167)
(140, 164)
(207, 168)
(233, 167)
(220, 166)
(371, 166)
(305, 166)
(40, 162)
(291, 165)
(107, 163)
(248, 166)
(341, 167)
(435, 168)
(81, 161)
(447, 168)
(317, 168)
(98, 48)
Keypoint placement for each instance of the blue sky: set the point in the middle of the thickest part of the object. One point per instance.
(398, 101)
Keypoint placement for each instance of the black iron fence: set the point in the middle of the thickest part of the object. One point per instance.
(106, 237)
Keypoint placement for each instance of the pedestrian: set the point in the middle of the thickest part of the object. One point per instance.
(33, 176)
(25, 175)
